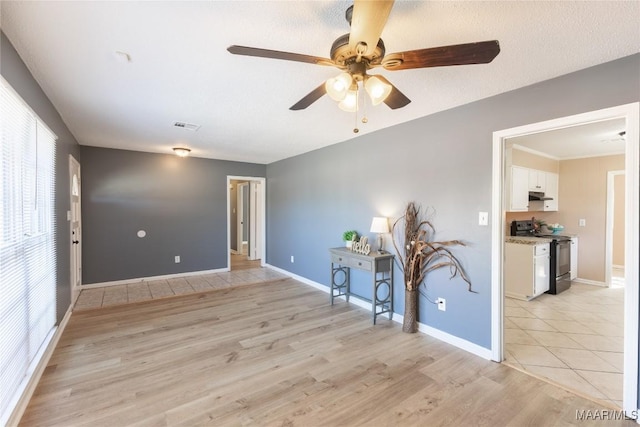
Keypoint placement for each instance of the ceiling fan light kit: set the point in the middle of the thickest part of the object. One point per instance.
(338, 86)
(363, 49)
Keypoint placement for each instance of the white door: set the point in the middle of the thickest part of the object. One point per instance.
(75, 219)
(255, 221)
(241, 234)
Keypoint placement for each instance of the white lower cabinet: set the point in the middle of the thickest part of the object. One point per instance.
(526, 270)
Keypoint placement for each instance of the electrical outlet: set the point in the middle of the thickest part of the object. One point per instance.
(442, 304)
(177, 259)
(582, 223)
(292, 259)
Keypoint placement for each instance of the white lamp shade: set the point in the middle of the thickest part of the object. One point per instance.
(337, 87)
(350, 102)
(379, 225)
(377, 89)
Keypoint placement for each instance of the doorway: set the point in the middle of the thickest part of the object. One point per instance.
(630, 113)
(75, 219)
(245, 222)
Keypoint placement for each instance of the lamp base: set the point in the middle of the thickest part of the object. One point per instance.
(380, 244)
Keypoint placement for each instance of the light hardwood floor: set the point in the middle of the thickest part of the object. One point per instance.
(277, 353)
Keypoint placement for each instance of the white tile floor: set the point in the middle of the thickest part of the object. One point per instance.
(143, 291)
(574, 338)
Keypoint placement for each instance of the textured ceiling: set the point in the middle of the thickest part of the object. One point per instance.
(180, 69)
(589, 140)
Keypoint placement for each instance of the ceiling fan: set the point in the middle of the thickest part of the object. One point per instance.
(363, 49)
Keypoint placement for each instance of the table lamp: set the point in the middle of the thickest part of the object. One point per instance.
(380, 225)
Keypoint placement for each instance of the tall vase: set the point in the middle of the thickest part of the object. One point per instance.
(410, 323)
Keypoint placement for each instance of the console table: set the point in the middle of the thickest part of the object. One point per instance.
(381, 267)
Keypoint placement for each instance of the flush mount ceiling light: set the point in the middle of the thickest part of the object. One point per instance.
(181, 151)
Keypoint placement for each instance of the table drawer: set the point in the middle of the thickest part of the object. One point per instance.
(339, 259)
(361, 264)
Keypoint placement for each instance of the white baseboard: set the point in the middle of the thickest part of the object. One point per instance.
(590, 282)
(30, 388)
(149, 279)
(461, 343)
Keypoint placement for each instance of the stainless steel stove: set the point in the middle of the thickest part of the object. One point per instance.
(560, 255)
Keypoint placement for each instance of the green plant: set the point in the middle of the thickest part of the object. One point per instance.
(349, 235)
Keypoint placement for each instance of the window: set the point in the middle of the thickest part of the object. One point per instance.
(27, 245)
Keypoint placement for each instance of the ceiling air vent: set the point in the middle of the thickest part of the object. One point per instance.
(187, 126)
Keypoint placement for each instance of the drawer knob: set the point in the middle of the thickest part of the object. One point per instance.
(359, 263)
(340, 259)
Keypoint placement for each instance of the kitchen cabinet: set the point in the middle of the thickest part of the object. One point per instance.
(537, 180)
(551, 190)
(526, 270)
(574, 258)
(523, 180)
(519, 189)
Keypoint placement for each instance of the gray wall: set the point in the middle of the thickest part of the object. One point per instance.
(19, 77)
(181, 203)
(442, 161)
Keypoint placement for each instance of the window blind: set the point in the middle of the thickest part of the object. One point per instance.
(27, 244)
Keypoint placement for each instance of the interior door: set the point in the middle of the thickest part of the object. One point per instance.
(75, 219)
(255, 220)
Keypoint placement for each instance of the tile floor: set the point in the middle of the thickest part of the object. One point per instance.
(143, 291)
(574, 338)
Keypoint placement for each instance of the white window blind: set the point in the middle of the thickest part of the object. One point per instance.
(27, 244)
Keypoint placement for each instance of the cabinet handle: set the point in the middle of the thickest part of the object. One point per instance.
(359, 263)
(339, 259)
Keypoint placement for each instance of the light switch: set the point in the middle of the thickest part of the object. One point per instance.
(582, 222)
(483, 218)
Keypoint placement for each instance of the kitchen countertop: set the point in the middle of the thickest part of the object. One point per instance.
(526, 240)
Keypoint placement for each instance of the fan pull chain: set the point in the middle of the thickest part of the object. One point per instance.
(364, 109)
(355, 129)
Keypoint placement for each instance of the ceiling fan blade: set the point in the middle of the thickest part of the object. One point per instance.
(396, 99)
(276, 54)
(459, 54)
(312, 97)
(367, 22)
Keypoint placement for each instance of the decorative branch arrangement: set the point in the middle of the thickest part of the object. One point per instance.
(419, 255)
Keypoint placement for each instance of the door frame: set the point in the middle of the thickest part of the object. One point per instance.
(608, 239)
(263, 240)
(74, 287)
(631, 114)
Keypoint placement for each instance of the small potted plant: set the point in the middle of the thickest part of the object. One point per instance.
(349, 237)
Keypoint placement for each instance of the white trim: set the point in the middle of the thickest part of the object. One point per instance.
(631, 114)
(590, 282)
(151, 278)
(47, 351)
(608, 233)
(536, 152)
(616, 266)
(398, 318)
(263, 219)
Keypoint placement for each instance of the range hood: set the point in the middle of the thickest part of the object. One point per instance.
(538, 196)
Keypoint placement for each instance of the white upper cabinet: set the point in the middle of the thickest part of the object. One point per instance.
(551, 184)
(537, 180)
(519, 200)
(523, 180)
